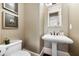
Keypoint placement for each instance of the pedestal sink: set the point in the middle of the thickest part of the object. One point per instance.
(56, 39)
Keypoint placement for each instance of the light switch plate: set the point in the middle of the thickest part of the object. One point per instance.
(70, 26)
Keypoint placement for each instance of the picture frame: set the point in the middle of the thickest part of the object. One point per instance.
(12, 7)
(9, 21)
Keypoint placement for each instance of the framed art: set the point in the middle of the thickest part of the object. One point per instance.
(9, 21)
(13, 7)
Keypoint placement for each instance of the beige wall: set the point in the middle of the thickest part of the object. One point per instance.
(74, 32)
(13, 33)
(33, 27)
(0, 24)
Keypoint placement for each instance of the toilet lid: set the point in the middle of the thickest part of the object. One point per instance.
(21, 53)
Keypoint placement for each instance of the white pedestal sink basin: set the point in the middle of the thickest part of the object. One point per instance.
(56, 39)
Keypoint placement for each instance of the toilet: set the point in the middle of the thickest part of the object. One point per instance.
(21, 53)
(13, 49)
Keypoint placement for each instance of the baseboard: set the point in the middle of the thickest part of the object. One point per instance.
(46, 50)
(32, 53)
(49, 51)
(41, 54)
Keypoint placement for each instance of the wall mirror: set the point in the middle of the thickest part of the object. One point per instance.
(54, 17)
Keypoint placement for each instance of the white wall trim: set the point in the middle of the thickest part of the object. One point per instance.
(32, 53)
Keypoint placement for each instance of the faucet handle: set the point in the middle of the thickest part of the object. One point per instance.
(51, 33)
(54, 33)
(57, 33)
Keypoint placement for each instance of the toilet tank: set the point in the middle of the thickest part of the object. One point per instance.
(14, 46)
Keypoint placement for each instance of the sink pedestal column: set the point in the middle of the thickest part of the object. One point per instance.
(54, 49)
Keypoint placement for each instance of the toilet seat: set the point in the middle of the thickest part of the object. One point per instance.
(21, 53)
